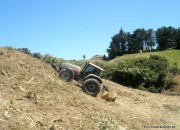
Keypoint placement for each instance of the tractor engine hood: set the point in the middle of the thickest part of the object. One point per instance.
(74, 68)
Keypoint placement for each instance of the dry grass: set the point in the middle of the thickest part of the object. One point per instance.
(33, 97)
(175, 91)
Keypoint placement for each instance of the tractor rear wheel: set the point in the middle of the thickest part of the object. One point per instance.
(91, 86)
(66, 75)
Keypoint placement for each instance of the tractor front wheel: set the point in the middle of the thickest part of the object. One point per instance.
(91, 86)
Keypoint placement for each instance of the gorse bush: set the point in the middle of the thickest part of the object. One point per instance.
(50, 59)
(37, 55)
(25, 50)
(127, 72)
(174, 69)
(155, 72)
(143, 73)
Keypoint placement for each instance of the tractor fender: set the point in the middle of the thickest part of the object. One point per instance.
(93, 76)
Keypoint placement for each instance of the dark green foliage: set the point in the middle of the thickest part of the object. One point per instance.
(104, 57)
(139, 39)
(114, 49)
(25, 50)
(149, 40)
(157, 63)
(166, 37)
(174, 69)
(150, 74)
(118, 45)
(145, 40)
(156, 72)
(177, 38)
(50, 59)
(57, 61)
(154, 89)
(128, 77)
(123, 43)
(129, 72)
(37, 55)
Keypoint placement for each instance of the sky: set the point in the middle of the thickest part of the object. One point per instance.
(70, 29)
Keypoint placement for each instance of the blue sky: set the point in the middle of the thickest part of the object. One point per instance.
(71, 28)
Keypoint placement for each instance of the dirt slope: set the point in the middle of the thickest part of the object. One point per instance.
(33, 97)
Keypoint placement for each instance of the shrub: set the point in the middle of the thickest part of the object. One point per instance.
(129, 77)
(153, 89)
(157, 63)
(37, 55)
(48, 58)
(57, 61)
(156, 71)
(25, 50)
(150, 74)
(174, 69)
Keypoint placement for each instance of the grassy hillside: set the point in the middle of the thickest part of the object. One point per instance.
(150, 71)
(173, 56)
(33, 97)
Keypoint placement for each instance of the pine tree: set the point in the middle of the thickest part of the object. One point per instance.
(118, 45)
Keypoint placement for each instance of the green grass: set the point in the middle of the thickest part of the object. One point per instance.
(173, 56)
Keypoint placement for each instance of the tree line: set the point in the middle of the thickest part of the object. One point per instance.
(144, 40)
